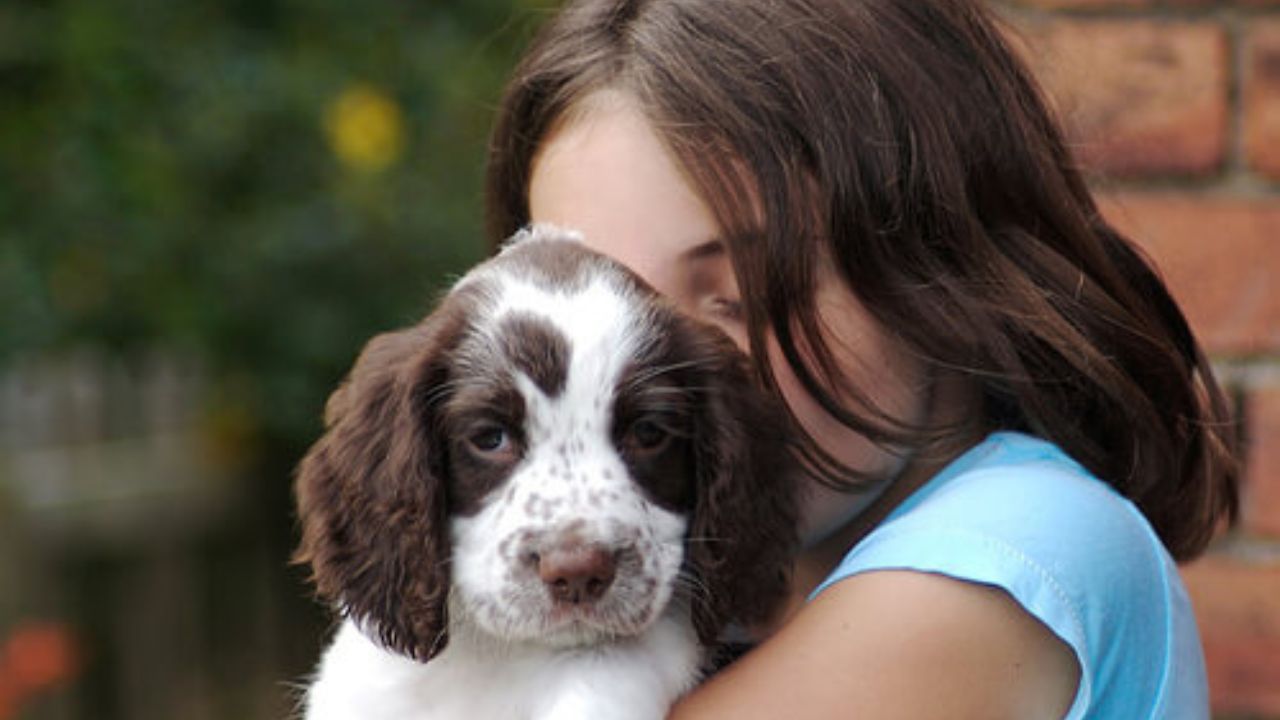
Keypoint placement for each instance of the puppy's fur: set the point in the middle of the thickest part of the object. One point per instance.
(546, 500)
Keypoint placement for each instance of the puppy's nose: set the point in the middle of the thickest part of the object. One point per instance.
(577, 573)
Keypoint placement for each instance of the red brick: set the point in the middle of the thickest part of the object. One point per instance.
(1138, 97)
(1262, 98)
(1262, 463)
(1238, 609)
(1220, 258)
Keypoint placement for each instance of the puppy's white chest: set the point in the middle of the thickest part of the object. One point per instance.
(478, 680)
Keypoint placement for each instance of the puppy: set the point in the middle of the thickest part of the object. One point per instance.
(545, 500)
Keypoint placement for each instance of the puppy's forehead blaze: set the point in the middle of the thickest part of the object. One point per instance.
(546, 327)
(567, 320)
(536, 347)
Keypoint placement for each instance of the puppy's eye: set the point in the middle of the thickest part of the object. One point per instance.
(490, 439)
(647, 435)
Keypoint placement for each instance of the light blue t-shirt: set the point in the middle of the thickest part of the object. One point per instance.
(1015, 512)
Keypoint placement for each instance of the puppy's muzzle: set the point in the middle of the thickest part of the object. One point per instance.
(576, 572)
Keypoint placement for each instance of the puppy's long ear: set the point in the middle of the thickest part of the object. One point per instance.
(745, 512)
(371, 495)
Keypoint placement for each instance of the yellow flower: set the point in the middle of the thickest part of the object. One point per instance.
(365, 128)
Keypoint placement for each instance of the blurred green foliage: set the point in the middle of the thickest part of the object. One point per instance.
(260, 185)
(170, 177)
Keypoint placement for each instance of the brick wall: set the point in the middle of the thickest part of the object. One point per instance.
(1174, 106)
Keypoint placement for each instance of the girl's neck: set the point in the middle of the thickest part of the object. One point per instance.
(953, 400)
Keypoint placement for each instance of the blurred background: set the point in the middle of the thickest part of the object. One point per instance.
(206, 208)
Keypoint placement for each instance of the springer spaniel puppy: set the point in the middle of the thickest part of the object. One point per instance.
(546, 500)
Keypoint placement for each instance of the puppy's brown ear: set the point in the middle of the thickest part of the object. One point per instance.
(745, 511)
(371, 496)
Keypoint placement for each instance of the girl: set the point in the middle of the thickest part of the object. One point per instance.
(1011, 431)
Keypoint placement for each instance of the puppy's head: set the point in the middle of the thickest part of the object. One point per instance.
(550, 455)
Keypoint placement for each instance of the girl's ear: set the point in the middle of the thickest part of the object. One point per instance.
(371, 495)
(745, 510)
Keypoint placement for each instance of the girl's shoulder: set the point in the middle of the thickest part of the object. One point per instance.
(1018, 514)
(1022, 491)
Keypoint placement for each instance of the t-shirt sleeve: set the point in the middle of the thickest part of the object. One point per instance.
(1067, 548)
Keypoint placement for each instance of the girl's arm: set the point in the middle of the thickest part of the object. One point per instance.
(898, 644)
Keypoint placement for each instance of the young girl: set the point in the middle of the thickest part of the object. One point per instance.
(1010, 430)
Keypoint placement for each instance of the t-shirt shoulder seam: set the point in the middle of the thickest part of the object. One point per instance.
(1075, 635)
(1009, 550)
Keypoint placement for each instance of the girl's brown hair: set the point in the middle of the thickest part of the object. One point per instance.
(903, 142)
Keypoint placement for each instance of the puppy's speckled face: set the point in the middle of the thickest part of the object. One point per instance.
(551, 455)
(570, 452)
